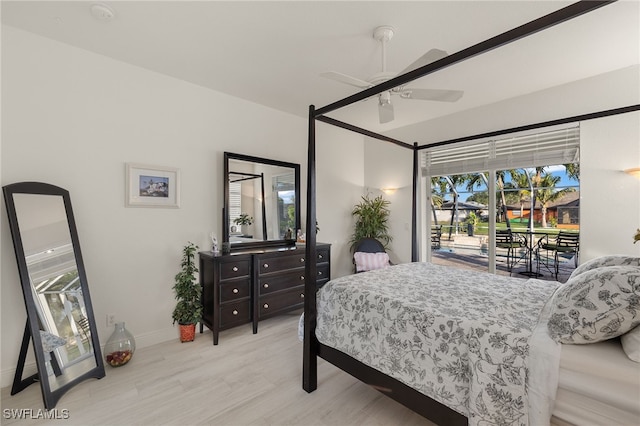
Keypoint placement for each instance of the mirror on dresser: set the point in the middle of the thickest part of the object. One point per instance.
(60, 322)
(264, 192)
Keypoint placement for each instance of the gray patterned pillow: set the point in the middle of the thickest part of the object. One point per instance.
(51, 341)
(596, 305)
(611, 260)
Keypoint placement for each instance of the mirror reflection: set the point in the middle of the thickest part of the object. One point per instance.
(262, 200)
(55, 286)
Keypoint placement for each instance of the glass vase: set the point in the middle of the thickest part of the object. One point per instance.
(120, 346)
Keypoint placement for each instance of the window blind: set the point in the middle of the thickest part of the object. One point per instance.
(559, 146)
(284, 182)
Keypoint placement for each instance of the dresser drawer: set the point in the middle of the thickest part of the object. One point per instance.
(282, 281)
(235, 313)
(235, 269)
(273, 303)
(323, 272)
(323, 255)
(269, 264)
(234, 290)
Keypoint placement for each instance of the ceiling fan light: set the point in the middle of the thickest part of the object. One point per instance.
(385, 98)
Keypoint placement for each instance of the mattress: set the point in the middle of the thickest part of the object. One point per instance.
(597, 385)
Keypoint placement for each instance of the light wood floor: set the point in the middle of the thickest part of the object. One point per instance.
(246, 380)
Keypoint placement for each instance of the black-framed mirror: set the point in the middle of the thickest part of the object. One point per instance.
(60, 320)
(266, 194)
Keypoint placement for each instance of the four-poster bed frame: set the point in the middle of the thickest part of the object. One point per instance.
(395, 389)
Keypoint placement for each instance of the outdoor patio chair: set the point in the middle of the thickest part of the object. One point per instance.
(83, 324)
(565, 245)
(436, 235)
(505, 239)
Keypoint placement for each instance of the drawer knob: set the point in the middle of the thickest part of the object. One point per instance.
(301, 277)
(319, 273)
(235, 312)
(235, 291)
(266, 306)
(235, 269)
(320, 256)
(265, 266)
(302, 295)
(302, 260)
(265, 285)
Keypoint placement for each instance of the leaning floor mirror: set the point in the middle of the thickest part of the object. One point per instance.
(60, 321)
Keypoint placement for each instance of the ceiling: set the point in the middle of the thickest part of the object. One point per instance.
(272, 53)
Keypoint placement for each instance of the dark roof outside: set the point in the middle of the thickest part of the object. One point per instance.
(572, 199)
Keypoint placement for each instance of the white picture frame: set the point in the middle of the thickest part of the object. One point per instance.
(152, 186)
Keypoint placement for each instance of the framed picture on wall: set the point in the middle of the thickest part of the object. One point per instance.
(152, 186)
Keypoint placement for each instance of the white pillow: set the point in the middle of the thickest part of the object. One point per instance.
(596, 305)
(610, 260)
(631, 344)
(370, 261)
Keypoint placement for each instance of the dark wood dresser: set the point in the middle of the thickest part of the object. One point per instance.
(253, 285)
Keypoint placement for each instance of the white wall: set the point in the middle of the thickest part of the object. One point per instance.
(609, 213)
(609, 198)
(73, 118)
(397, 173)
(340, 180)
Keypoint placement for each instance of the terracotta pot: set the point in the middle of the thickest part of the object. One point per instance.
(187, 332)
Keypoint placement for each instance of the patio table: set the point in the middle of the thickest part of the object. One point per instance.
(529, 237)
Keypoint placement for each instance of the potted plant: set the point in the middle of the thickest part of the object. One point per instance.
(371, 220)
(188, 310)
(471, 221)
(243, 219)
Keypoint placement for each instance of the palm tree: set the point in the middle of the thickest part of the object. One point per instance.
(439, 188)
(454, 181)
(521, 181)
(547, 193)
(573, 171)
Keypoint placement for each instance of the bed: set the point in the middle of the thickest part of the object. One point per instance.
(435, 400)
(437, 330)
(481, 344)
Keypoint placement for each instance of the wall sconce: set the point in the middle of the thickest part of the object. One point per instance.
(389, 191)
(635, 172)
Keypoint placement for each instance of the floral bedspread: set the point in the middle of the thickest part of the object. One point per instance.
(460, 337)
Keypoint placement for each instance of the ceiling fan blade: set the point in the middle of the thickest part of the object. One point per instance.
(432, 94)
(431, 56)
(347, 79)
(385, 111)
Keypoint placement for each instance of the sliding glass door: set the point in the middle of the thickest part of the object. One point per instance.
(499, 206)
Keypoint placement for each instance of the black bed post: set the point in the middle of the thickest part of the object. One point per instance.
(414, 204)
(310, 350)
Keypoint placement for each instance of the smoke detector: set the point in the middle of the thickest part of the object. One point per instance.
(102, 12)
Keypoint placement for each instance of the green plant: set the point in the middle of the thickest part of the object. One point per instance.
(472, 219)
(243, 219)
(188, 310)
(371, 220)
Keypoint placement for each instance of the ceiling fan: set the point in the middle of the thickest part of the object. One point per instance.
(385, 107)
